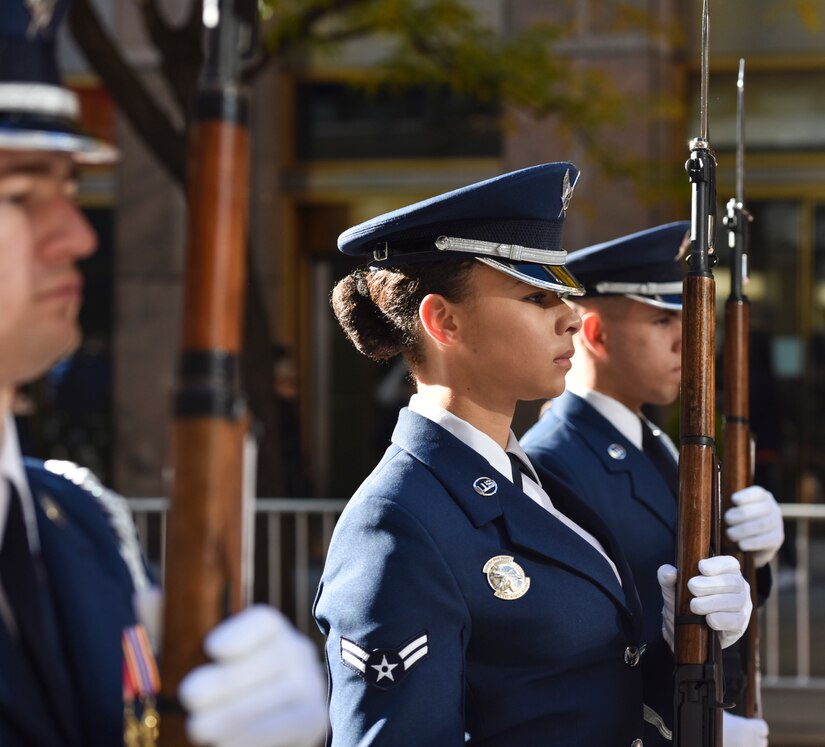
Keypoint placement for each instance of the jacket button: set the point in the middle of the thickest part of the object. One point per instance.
(637, 743)
(631, 658)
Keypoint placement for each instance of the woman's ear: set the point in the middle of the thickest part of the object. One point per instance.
(593, 334)
(438, 319)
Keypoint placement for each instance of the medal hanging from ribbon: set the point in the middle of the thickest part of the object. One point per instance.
(141, 683)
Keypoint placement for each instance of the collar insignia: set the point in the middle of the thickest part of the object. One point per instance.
(53, 512)
(507, 578)
(385, 668)
(485, 486)
(617, 451)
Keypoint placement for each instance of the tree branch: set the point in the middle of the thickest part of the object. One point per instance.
(300, 26)
(149, 121)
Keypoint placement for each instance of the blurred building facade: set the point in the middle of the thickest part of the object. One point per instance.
(327, 155)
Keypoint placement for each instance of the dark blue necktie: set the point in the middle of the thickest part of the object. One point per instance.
(517, 467)
(27, 591)
(656, 450)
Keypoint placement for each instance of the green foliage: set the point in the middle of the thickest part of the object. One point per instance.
(447, 44)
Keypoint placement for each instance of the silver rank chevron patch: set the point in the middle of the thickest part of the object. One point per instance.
(385, 668)
(41, 12)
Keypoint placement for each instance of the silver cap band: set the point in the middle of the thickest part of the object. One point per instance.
(510, 252)
(645, 289)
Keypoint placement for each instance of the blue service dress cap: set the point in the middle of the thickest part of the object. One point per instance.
(36, 111)
(512, 222)
(644, 266)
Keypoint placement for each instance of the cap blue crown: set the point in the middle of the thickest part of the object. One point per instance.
(512, 222)
(36, 111)
(642, 265)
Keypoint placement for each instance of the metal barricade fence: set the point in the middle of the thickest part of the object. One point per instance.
(296, 533)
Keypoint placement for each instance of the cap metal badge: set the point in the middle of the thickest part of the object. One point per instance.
(507, 578)
(566, 192)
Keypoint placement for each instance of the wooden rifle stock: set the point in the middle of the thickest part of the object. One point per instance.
(697, 720)
(737, 467)
(203, 577)
(737, 474)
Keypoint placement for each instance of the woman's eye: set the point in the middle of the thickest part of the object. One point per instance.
(535, 298)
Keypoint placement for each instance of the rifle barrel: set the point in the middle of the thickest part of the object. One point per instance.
(698, 681)
(737, 470)
(740, 134)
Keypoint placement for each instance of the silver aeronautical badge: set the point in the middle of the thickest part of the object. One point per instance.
(485, 486)
(566, 192)
(506, 577)
(617, 451)
(41, 12)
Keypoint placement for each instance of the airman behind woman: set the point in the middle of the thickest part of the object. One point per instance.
(468, 598)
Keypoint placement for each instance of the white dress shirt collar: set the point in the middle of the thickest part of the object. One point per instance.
(622, 418)
(474, 438)
(482, 444)
(11, 469)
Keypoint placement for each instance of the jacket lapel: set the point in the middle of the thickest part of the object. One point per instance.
(649, 488)
(459, 468)
(22, 703)
(89, 597)
(586, 517)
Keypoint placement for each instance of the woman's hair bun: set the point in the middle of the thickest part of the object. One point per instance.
(366, 326)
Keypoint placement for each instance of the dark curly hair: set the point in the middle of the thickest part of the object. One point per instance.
(378, 310)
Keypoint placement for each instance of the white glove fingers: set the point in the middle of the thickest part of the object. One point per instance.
(303, 726)
(759, 542)
(758, 525)
(718, 565)
(738, 731)
(245, 632)
(718, 603)
(218, 682)
(745, 513)
(730, 625)
(223, 720)
(751, 494)
(667, 575)
(729, 583)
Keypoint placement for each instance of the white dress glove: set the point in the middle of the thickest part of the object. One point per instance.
(755, 523)
(738, 731)
(720, 593)
(264, 687)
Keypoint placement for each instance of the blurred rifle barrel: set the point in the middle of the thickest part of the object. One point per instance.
(204, 551)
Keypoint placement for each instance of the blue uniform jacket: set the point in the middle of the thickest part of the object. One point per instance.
(577, 444)
(92, 591)
(421, 652)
